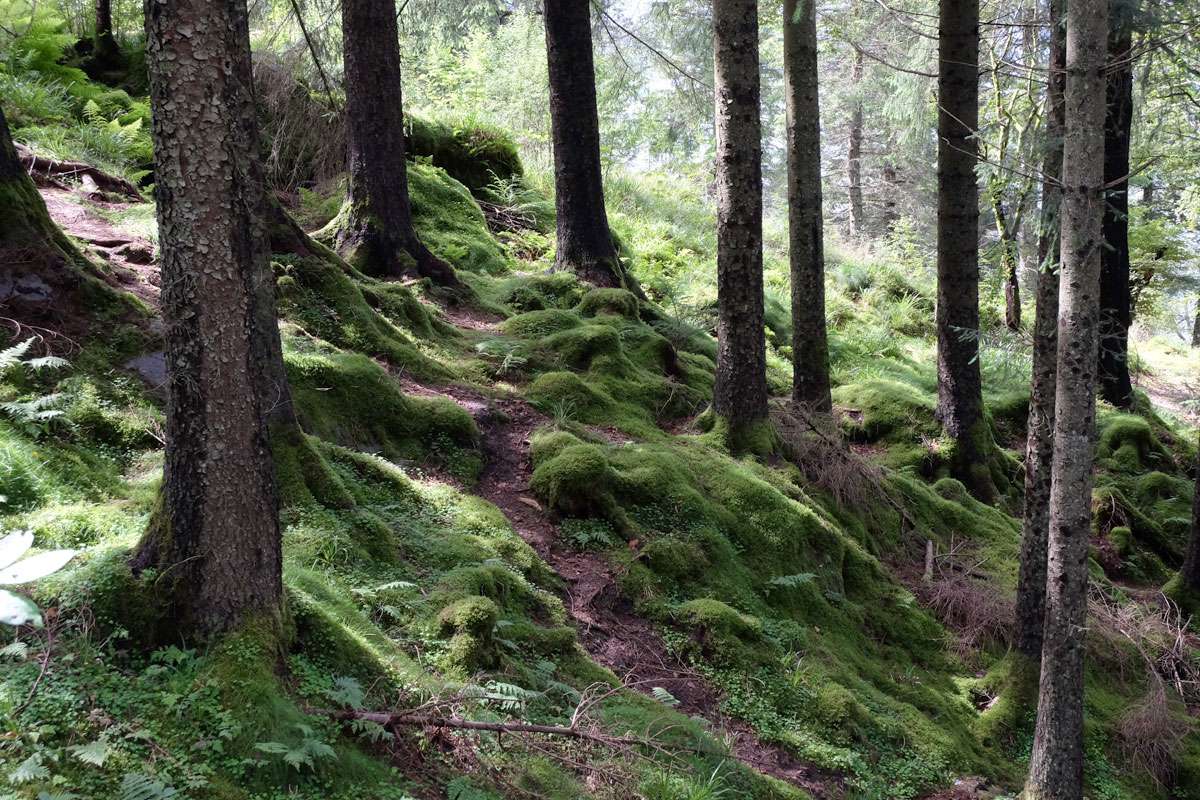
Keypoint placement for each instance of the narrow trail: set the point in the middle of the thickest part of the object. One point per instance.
(609, 629)
(130, 259)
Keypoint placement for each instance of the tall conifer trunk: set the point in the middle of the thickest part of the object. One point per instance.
(858, 222)
(740, 395)
(376, 235)
(585, 244)
(216, 538)
(1039, 449)
(810, 349)
(960, 391)
(1056, 764)
(1115, 311)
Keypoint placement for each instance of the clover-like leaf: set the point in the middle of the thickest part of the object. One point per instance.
(18, 610)
(14, 546)
(35, 567)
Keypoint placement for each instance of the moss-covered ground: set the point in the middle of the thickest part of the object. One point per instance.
(791, 588)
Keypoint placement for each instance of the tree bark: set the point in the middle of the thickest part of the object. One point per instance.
(1115, 305)
(960, 391)
(740, 395)
(377, 235)
(217, 534)
(891, 186)
(854, 154)
(1189, 573)
(810, 348)
(1039, 448)
(1009, 261)
(1196, 327)
(1056, 764)
(585, 243)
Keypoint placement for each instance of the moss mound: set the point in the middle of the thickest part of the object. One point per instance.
(474, 155)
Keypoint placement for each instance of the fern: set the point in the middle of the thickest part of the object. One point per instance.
(663, 696)
(792, 581)
(136, 786)
(95, 753)
(30, 770)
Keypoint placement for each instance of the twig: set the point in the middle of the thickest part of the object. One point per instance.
(313, 52)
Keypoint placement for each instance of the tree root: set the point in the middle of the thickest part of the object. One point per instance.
(72, 169)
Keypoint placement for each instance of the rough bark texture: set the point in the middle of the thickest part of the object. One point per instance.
(810, 348)
(377, 234)
(585, 244)
(740, 395)
(1115, 310)
(1039, 450)
(105, 44)
(854, 154)
(10, 165)
(1009, 262)
(960, 391)
(1189, 574)
(891, 186)
(217, 533)
(1056, 764)
(1196, 327)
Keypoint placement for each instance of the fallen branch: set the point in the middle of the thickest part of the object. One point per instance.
(75, 169)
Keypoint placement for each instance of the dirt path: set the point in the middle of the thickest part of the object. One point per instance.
(610, 631)
(130, 259)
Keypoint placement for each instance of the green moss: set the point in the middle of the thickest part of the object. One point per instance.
(474, 155)
(448, 221)
(347, 398)
(326, 300)
(543, 322)
(566, 394)
(1127, 444)
(722, 634)
(573, 481)
(619, 302)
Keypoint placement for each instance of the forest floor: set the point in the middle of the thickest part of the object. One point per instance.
(608, 626)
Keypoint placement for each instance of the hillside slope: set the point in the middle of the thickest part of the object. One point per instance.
(518, 514)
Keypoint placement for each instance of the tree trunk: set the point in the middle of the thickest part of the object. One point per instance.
(960, 392)
(105, 60)
(377, 235)
(585, 243)
(1056, 764)
(810, 349)
(891, 186)
(1190, 572)
(1115, 307)
(217, 533)
(1009, 261)
(854, 154)
(1039, 448)
(740, 395)
(1196, 326)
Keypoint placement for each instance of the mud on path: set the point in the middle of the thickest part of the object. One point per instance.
(611, 632)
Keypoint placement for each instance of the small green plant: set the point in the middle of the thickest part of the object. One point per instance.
(14, 608)
(306, 753)
(34, 417)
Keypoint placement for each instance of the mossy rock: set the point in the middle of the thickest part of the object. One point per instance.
(567, 394)
(674, 559)
(543, 322)
(474, 155)
(575, 481)
(1128, 444)
(723, 634)
(349, 399)
(580, 347)
(449, 222)
(601, 300)
(363, 315)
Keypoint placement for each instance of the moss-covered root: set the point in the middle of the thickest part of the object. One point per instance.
(1014, 684)
(758, 437)
(976, 461)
